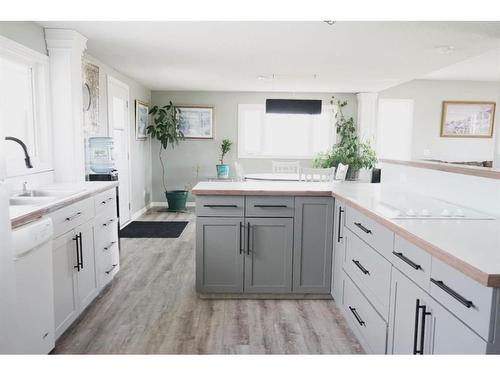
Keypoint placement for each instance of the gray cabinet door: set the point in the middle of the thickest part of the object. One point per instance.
(268, 261)
(338, 251)
(219, 254)
(313, 240)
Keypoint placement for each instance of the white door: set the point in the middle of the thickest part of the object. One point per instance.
(118, 118)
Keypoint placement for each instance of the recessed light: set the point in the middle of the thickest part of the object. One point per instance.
(329, 22)
(444, 50)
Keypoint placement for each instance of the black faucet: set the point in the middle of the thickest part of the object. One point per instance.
(27, 159)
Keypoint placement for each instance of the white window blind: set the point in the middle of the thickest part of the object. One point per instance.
(285, 136)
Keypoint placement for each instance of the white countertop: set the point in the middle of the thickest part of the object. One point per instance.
(23, 214)
(470, 245)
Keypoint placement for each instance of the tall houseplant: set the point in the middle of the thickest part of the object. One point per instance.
(165, 129)
(223, 169)
(350, 150)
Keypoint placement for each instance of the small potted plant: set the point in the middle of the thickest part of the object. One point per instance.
(165, 129)
(223, 169)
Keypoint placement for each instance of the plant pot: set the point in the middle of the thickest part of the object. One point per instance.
(352, 175)
(222, 170)
(176, 200)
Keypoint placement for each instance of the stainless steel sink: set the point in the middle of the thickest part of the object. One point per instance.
(46, 193)
(30, 201)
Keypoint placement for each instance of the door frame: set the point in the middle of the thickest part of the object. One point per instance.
(115, 81)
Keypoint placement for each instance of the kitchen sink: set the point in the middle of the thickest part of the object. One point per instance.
(46, 193)
(30, 201)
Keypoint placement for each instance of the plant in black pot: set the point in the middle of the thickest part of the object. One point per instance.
(165, 129)
(350, 150)
(223, 169)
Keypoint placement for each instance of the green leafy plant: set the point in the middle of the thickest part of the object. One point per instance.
(225, 147)
(165, 129)
(350, 150)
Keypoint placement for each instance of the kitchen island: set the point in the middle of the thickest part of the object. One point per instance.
(406, 284)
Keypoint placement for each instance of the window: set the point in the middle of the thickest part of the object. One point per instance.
(24, 106)
(285, 136)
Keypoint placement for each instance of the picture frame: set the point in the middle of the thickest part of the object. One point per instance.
(467, 119)
(141, 120)
(196, 122)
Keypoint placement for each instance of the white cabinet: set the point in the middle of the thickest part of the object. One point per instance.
(88, 287)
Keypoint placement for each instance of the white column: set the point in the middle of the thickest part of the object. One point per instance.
(367, 116)
(65, 58)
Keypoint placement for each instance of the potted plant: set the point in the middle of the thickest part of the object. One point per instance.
(165, 129)
(349, 150)
(223, 169)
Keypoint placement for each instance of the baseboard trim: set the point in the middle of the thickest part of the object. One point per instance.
(139, 213)
(164, 204)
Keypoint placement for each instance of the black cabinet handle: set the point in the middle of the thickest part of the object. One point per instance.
(111, 269)
(109, 246)
(451, 292)
(76, 239)
(107, 200)
(69, 218)
(248, 239)
(425, 313)
(407, 260)
(356, 315)
(220, 205)
(363, 228)
(360, 266)
(81, 250)
(339, 237)
(270, 205)
(241, 241)
(108, 222)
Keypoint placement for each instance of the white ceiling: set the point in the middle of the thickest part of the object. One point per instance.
(345, 57)
(485, 67)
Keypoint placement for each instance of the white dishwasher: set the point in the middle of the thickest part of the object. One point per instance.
(34, 306)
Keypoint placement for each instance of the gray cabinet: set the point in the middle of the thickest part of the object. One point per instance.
(338, 251)
(313, 240)
(219, 255)
(268, 261)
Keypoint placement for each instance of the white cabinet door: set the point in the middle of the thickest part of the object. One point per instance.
(65, 281)
(88, 287)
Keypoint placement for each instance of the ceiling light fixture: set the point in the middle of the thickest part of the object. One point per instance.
(329, 22)
(444, 50)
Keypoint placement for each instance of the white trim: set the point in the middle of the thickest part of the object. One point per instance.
(138, 214)
(22, 51)
(164, 204)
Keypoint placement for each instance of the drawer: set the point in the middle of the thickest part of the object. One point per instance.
(374, 234)
(109, 264)
(370, 270)
(269, 206)
(214, 205)
(105, 201)
(414, 262)
(71, 216)
(105, 229)
(366, 323)
(470, 301)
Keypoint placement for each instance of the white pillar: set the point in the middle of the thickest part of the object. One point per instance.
(367, 116)
(65, 58)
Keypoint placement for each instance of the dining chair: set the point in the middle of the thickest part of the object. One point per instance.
(316, 174)
(286, 166)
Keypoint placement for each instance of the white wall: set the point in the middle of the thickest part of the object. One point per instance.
(29, 34)
(140, 151)
(181, 162)
(428, 96)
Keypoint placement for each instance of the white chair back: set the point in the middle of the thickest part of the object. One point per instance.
(316, 174)
(240, 173)
(286, 166)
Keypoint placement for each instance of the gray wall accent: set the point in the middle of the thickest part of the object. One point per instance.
(140, 151)
(181, 162)
(428, 96)
(29, 34)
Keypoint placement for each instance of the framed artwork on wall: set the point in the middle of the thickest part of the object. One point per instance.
(141, 120)
(197, 122)
(464, 119)
(90, 98)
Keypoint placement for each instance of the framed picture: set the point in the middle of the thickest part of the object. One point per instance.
(141, 120)
(468, 119)
(196, 122)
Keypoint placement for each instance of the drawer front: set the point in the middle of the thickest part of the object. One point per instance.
(109, 264)
(470, 301)
(415, 263)
(269, 206)
(226, 206)
(103, 201)
(370, 328)
(70, 217)
(370, 271)
(376, 235)
(105, 236)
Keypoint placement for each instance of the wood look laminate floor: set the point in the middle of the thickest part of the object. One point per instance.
(152, 308)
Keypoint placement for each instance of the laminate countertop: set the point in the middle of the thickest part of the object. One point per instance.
(471, 246)
(23, 214)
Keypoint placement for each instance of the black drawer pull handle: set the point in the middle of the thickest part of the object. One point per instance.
(360, 266)
(109, 246)
(109, 222)
(407, 260)
(270, 205)
(452, 293)
(363, 228)
(73, 216)
(111, 269)
(220, 205)
(107, 200)
(356, 315)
